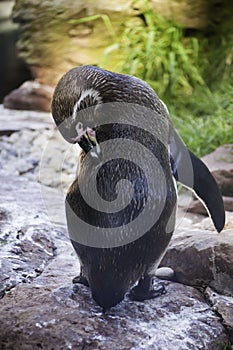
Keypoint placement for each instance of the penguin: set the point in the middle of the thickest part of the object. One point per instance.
(129, 146)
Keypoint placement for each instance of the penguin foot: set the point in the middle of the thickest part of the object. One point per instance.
(146, 289)
(81, 280)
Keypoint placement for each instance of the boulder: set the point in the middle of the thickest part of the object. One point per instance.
(32, 146)
(220, 163)
(197, 207)
(26, 232)
(72, 33)
(41, 309)
(187, 13)
(223, 305)
(207, 223)
(31, 95)
(50, 314)
(202, 258)
(78, 32)
(12, 121)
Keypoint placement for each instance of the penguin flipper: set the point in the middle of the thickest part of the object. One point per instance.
(190, 171)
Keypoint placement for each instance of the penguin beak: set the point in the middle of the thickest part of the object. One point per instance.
(86, 138)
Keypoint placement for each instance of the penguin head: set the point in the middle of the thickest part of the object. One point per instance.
(88, 86)
(108, 295)
(108, 289)
(108, 298)
(74, 94)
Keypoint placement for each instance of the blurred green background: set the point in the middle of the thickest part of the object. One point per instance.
(191, 70)
(183, 49)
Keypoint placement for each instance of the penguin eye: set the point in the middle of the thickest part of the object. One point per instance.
(79, 127)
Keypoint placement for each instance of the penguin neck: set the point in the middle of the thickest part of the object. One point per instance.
(113, 131)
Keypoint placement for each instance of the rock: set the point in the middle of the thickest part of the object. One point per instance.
(197, 207)
(165, 273)
(184, 12)
(50, 314)
(49, 158)
(221, 158)
(6, 9)
(220, 163)
(12, 121)
(207, 223)
(31, 95)
(225, 181)
(78, 32)
(201, 258)
(41, 309)
(64, 40)
(223, 305)
(26, 243)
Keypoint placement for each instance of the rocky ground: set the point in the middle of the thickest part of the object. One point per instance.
(41, 309)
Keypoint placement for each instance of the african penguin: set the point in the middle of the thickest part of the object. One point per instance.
(121, 207)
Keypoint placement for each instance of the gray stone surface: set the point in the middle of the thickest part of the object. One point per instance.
(223, 305)
(198, 208)
(11, 121)
(220, 163)
(202, 258)
(27, 232)
(48, 314)
(41, 309)
(37, 150)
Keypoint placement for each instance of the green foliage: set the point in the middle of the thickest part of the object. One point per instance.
(193, 75)
(103, 17)
(156, 51)
(219, 56)
(204, 121)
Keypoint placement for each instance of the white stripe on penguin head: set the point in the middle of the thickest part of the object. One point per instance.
(85, 93)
